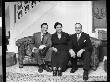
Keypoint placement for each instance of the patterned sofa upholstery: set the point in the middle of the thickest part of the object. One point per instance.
(95, 53)
(25, 46)
(25, 54)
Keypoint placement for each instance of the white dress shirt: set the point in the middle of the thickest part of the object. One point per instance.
(59, 35)
(78, 36)
(41, 36)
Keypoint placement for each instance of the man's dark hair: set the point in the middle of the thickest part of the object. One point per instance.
(44, 24)
(57, 23)
(80, 24)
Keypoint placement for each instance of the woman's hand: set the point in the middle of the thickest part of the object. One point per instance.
(35, 50)
(41, 47)
(55, 49)
(80, 52)
(72, 53)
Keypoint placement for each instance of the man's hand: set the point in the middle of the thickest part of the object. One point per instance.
(35, 50)
(80, 52)
(105, 58)
(55, 49)
(41, 46)
(72, 53)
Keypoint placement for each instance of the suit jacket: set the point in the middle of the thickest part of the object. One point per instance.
(62, 43)
(83, 43)
(37, 39)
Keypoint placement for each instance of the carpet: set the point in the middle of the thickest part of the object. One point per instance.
(1, 78)
(1, 74)
(31, 74)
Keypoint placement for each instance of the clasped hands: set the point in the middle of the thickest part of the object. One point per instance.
(72, 53)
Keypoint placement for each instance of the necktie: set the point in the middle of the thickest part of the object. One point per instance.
(77, 37)
(42, 38)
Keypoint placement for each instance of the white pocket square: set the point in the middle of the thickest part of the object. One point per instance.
(84, 40)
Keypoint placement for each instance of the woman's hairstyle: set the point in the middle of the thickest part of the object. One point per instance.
(57, 23)
(44, 24)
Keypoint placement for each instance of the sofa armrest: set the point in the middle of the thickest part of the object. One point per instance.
(25, 46)
(25, 40)
(95, 42)
(95, 53)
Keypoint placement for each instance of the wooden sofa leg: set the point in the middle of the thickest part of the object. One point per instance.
(20, 61)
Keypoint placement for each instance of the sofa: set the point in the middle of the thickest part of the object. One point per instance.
(25, 45)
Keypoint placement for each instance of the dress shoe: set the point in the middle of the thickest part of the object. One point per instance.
(85, 75)
(47, 68)
(59, 73)
(40, 70)
(73, 70)
(54, 72)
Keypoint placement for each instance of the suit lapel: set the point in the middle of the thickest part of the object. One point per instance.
(75, 36)
(75, 40)
(56, 36)
(62, 34)
(80, 39)
(39, 37)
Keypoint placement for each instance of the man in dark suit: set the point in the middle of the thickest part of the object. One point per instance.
(42, 40)
(80, 47)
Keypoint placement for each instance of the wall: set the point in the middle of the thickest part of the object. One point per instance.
(68, 13)
(7, 20)
(0, 36)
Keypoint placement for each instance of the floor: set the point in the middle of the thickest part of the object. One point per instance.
(0, 50)
(1, 77)
(0, 65)
(33, 70)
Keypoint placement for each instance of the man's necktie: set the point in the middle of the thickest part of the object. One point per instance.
(42, 38)
(77, 37)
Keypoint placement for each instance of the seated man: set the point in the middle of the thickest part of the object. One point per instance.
(80, 47)
(42, 40)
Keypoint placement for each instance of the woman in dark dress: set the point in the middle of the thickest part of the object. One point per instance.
(60, 55)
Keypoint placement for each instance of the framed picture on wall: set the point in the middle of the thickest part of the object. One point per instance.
(99, 14)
